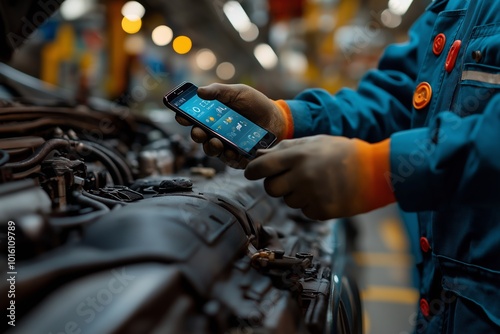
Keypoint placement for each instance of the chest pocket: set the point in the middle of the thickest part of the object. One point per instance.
(480, 79)
(447, 22)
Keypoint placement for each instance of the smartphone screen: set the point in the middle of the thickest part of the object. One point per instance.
(222, 121)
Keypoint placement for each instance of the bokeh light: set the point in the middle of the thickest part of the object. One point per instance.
(206, 59)
(266, 56)
(74, 9)
(131, 26)
(162, 35)
(390, 20)
(295, 62)
(250, 34)
(399, 7)
(135, 44)
(225, 71)
(182, 44)
(133, 10)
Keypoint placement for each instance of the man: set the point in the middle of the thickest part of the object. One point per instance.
(427, 129)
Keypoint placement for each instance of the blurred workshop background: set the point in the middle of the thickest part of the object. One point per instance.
(133, 52)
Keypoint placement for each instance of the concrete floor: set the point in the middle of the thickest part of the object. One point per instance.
(385, 278)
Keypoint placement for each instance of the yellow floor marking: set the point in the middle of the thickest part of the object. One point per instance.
(393, 235)
(366, 322)
(383, 259)
(389, 294)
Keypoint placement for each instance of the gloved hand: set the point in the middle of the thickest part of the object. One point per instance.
(325, 176)
(271, 115)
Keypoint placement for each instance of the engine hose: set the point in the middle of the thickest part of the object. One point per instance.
(81, 199)
(54, 144)
(103, 158)
(106, 201)
(119, 161)
(40, 154)
(26, 173)
(75, 221)
(4, 157)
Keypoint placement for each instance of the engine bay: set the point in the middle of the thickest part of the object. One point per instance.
(112, 224)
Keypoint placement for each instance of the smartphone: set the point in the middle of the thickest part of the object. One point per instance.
(219, 120)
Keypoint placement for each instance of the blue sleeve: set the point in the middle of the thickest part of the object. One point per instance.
(379, 107)
(456, 161)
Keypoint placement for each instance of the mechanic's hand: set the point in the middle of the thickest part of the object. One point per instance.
(247, 101)
(326, 176)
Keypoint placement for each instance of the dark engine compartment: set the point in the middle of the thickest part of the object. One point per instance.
(123, 227)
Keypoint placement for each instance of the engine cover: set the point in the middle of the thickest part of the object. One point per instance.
(222, 257)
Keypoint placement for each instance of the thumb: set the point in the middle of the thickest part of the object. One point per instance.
(216, 91)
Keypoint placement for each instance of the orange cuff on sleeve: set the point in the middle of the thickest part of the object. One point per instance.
(376, 190)
(287, 116)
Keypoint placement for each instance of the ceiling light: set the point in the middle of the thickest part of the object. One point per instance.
(237, 15)
(162, 35)
(399, 7)
(182, 44)
(206, 59)
(266, 56)
(131, 26)
(133, 9)
(225, 71)
(390, 20)
(294, 61)
(74, 9)
(250, 34)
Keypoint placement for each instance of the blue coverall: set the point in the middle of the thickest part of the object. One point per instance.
(437, 97)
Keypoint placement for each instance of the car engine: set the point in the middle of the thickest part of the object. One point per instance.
(111, 224)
